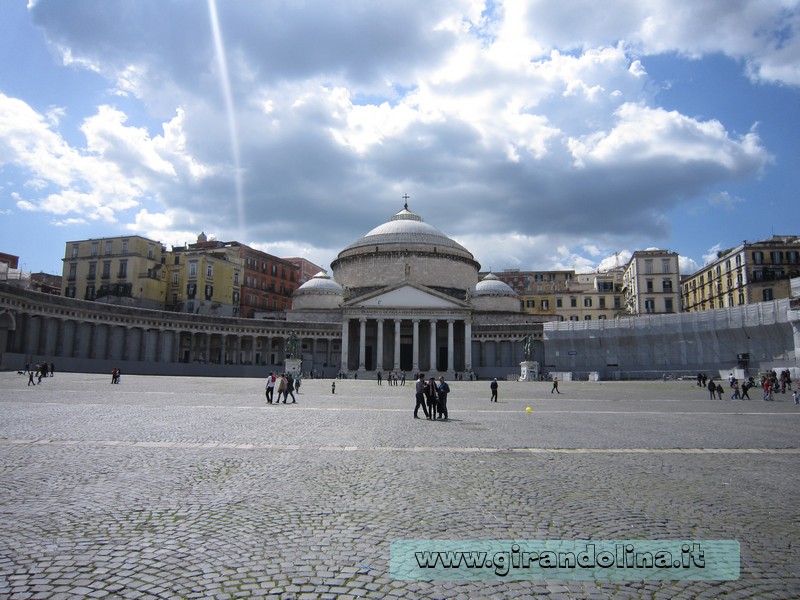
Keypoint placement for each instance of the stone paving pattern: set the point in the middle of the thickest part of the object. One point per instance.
(195, 488)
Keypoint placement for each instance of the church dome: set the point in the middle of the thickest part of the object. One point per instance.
(406, 249)
(321, 283)
(319, 292)
(492, 286)
(491, 294)
(406, 227)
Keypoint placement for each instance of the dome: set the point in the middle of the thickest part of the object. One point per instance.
(406, 227)
(321, 283)
(492, 286)
(403, 250)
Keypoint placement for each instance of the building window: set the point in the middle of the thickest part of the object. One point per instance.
(665, 265)
(123, 269)
(530, 304)
(94, 248)
(767, 294)
(92, 270)
(106, 269)
(666, 285)
(174, 298)
(573, 302)
(191, 290)
(209, 271)
(177, 259)
(601, 317)
(668, 305)
(777, 257)
(559, 303)
(602, 302)
(741, 298)
(75, 250)
(758, 257)
(192, 269)
(573, 318)
(587, 303)
(545, 305)
(587, 317)
(209, 291)
(649, 284)
(90, 292)
(648, 266)
(791, 257)
(175, 278)
(73, 271)
(649, 305)
(124, 246)
(190, 307)
(617, 302)
(108, 247)
(236, 278)
(151, 252)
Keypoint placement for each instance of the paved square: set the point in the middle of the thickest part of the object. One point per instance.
(193, 488)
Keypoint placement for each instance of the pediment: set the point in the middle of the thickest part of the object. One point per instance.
(407, 296)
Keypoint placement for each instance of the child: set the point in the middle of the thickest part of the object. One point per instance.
(796, 397)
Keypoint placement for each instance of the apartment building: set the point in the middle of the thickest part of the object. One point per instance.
(125, 270)
(748, 273)
(205, 278)
(592, 296)
(651, 283)
(269, 282)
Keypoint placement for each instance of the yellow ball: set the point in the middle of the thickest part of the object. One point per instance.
(528, 409)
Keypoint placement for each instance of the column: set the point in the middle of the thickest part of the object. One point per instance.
(467, 345)
(238, 358)
(432, 352)
(415, 347)
(450, 366)
(362, 342)
(396, 345)
(345, 344)
(379, 358)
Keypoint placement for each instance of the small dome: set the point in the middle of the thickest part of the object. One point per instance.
(492, 286)
(321, 283)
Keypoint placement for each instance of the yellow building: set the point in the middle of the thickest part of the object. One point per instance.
(749, 273)
(125, 270)
(205, 278)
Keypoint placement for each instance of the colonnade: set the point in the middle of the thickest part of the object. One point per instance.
(411, 343)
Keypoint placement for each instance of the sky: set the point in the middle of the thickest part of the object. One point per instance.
(540, 135)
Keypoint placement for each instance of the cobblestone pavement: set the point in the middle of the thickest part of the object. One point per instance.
(195, 488)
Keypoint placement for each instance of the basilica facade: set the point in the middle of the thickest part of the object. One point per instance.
(408, 298)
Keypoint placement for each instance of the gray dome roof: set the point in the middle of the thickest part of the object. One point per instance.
(321, 283)
(492, 286)
(406, 227)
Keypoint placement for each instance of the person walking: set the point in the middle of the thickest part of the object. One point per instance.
(289, 389)
(735, 395)
(493, 386)
(419, 394)
(430, 397)
(271, 387)
(712, 388)
(30, 377)
(380, 379)
(282, 389)
(555, 386)
(442, 390)
(746, 385)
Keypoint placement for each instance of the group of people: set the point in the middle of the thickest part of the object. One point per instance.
(38, 371)
(392, 378)
(115, 375)
(770, 384)
(286, 386)
(431, 396)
